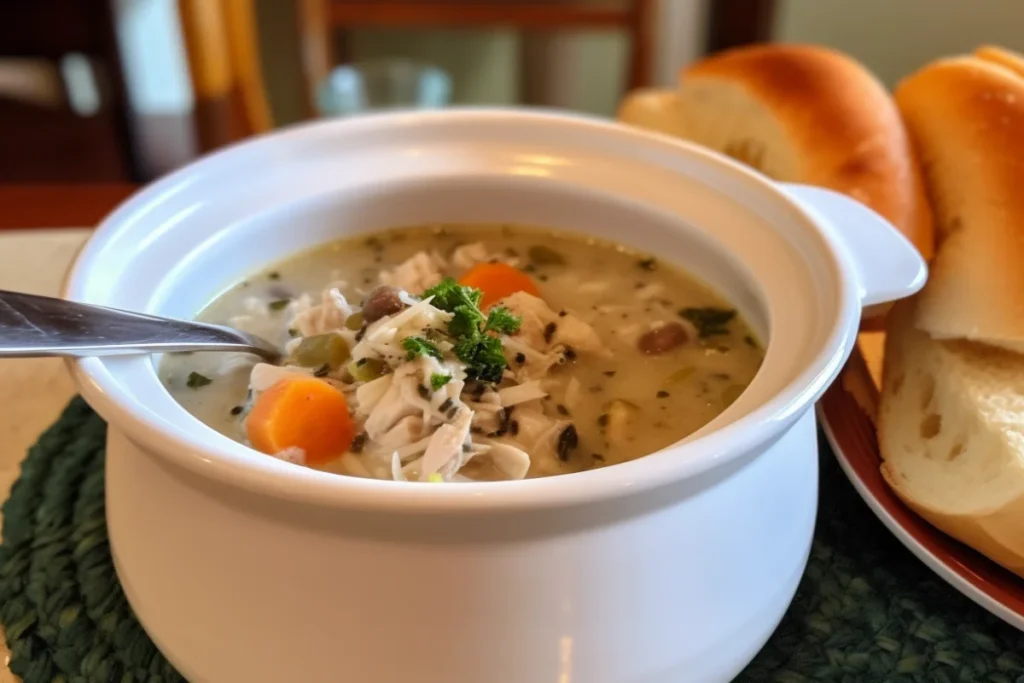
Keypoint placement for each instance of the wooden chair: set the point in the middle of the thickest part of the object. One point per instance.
(221, 41)
(320, 20)
(46, 139)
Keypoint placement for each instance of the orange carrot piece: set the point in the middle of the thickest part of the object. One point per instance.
(301, 412)
(497, 281)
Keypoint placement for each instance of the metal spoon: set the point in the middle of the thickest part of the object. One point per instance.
(44, 326)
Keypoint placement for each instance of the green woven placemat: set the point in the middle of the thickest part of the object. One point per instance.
(866, 612)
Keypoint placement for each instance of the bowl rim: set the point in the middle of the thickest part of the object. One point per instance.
(750, 431)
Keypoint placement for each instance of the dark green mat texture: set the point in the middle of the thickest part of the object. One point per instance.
(867, 611)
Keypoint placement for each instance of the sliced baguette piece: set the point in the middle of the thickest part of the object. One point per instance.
(655, 109)
(966, 117)
(951, 434)
(808, 114)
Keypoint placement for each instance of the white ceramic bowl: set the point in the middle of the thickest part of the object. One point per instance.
(675, 567)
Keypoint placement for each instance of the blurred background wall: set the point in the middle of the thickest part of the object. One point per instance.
(110, 90)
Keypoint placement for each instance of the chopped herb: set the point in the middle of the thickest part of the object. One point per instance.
(647, 264)
(609, 373)
(567, 442)
(750, 341)
(418, 346)
(195, 380)
(322, 370)
(437, 380)
(448, 295)
(358, 442)
(465, 321)
(292, 332)
(709, 321)
(278, 304)
(483, 356)
(237, 410)
(662, 394)
(481, 352)
(273, 275)
(549, 331)
(562, 410)
(446, 405)
(423, 391)
(501, 320)
(520, 358)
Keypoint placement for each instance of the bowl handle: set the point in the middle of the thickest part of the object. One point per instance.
(887, 265)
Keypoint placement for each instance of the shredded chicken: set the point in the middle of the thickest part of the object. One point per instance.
(327, 316)
(418, 420)
(416, 274)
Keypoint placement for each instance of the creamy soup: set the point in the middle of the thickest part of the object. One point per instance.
(452, 353)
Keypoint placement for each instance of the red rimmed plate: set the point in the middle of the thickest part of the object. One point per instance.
(844, 413)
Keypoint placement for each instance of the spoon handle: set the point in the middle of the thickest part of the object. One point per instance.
(33, 325)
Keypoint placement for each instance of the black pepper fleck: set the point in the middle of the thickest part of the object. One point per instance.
(520, 358)
(609, 373)
(568, 440)
(274, 275)
(444, 406)
(602, 419)
(662, 394)
(597, 456)
(562, 314)
(549, 331)
(237, 410)
(423, 391)
(570, 353)
(647, 264)
(562, 410)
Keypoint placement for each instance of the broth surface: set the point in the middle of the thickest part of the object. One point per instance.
(623, 402)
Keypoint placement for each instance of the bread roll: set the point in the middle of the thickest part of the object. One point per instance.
(966, 117)
(1004, 58)
(808, 114)
(951, 434)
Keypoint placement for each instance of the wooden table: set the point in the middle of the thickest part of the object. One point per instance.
(59, 206)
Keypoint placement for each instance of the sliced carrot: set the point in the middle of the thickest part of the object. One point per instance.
(301, 412)
(497, 281)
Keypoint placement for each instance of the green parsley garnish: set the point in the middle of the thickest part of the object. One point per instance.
(483, 356)
(501, 320)
(709, 321)
(418, 346)
(278, 304)
(195, 380)
(448, 295)
(470, 329)
(437, 380)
